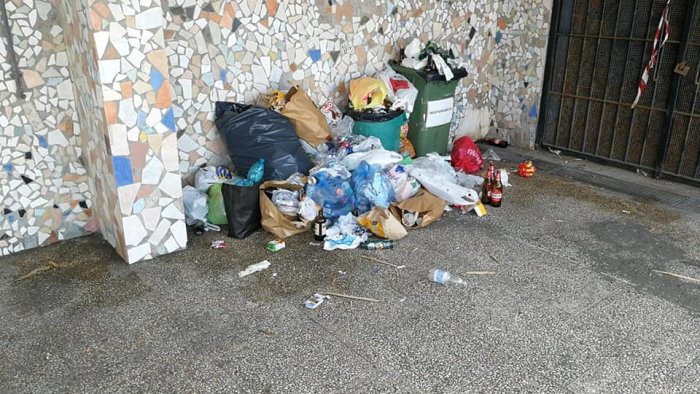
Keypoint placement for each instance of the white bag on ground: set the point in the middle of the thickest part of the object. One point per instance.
(195, 202)
(378, 156)
(440, 178)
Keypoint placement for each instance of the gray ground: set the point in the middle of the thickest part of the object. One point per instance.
(574, 307)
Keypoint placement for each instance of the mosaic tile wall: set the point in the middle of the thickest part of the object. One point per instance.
(138, 146)
(521, 44)
(235, 50)
(44, 191)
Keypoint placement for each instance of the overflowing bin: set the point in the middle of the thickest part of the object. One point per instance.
(429, 124)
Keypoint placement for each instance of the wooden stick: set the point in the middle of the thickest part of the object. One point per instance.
(677, 276)
(382, 262)
(349, 296)
(51, 265)
(479, 273)
(495, 259)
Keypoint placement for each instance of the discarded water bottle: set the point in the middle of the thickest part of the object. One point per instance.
(378, 245)
(444, 278)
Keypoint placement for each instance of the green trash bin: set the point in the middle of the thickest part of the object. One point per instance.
(429, 124)
(385, 126)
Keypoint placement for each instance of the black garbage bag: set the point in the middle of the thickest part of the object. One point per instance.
(253, 132)
(242, 205)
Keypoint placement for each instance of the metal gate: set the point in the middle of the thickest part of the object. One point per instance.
(597, 52)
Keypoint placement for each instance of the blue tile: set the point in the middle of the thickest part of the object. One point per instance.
(533, 111)
(222, 75)
(141, 119)
(42, 142)
(208, 79)
(9, 167)
(169, 119)
(315, 55)
(122, 171)
(156, 79)
(499, 35)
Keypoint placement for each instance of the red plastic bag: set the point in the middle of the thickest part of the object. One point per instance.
(466, 156)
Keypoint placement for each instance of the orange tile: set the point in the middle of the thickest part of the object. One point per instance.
(163, 98)
(111, 110)
(127, 89)
(101, 9)
(137, 153)
(272, 7)
(293, 67)
(145, 190)
(95, 20)
(264, 22)
(111, 53)
(501, 23)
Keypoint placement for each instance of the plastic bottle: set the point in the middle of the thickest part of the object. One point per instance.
(444, 278)
(378, 245)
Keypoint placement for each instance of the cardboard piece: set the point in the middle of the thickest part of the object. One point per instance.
(275, 222)
(382, 223)
(428, 206)
(308, 121)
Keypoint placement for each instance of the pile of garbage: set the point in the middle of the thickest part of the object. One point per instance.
(348, 176)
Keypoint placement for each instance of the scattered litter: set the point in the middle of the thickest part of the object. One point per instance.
(263, 265)
(526, 169)
(268, 333)
(378, 244)
(495, 259)
(316, 300)
(51, 265)
(219, 244)
(642, 172)
(326, 294)
(342, 272)
(383, 262)
(559, 221)
(480, 209)
(315, 243)
(677, 276)
(444, 278)
(626, 211)
(492, 155)
(504, 177)
(276, 245)
(274, 274)
(555, 151)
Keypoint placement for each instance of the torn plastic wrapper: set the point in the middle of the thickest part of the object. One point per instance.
(261, 266)
(316, 300)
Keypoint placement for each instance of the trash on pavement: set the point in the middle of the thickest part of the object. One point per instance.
(378, 244)
(383, 224)
(344, 234)
(253, 132)
(480, 209)
(444, 278)
(555, 151)
(380, 157)
(405, 186)
(420, 210)
(439, 178)
(332, 192)
(219, 244)
(276, 245)
(491, 155)
(677, 276)
(216, 211)
(281, 223)
(195, 202)
(257, 267)
(255, 175)
(320, 227)
(495, 141)
(382, 262)
(352, 297)
(526, 169)
(332, 113)
(242, 206)
(275, 100)
(504, 177)
(466, 156)
(309, 122)
(316, 300)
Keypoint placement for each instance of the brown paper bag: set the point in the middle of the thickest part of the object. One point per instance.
(428, 206)
(274, 221)
(382, 223)
(308, 121)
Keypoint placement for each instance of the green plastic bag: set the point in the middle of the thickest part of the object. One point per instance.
(217, 212)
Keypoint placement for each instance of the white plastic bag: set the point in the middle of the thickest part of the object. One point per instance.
(345, 234)
(308, 210)
(401, 91)
(195, 202)
(440, 178)
(412, 50)
(405, 186)
(210, 175)
(370, 143)
(378, 156)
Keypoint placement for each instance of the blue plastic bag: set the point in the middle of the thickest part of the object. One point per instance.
(371, 188)
(333, 193)
(255, 175)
